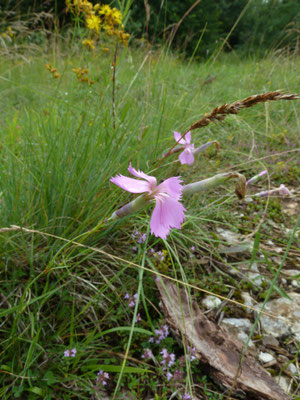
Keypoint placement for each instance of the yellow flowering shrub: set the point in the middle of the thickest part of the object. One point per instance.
(98, 18)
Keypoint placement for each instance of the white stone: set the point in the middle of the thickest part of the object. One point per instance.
(248, 301)
(291, 272)
(240, 328)
(265, 357)
(257, 279)
(235, 241)
(286, 316)
(283, 382)
(243, 337)
(293, 369)
(211, 302)
(243, 324)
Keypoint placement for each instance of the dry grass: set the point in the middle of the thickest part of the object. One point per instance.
(218, 114)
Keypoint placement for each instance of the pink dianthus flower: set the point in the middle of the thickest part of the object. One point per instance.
(187, 156)
(168, 211)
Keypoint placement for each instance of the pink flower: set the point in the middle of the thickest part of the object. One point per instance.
(284, 191)
(187, 156)
(168, 211)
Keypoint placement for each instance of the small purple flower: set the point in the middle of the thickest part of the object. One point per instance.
(135, 234)
(160, 255)
(138, 317)
(102, 378)
(192, 249)
(178, 375)
(160, 334)
(139, 237)
(169, 376)
(187, 156)
(186, 396)
(70, 353)
(131, 299)
(142, 238)
(168, 358)
(147, 354)
(73, 352)
(168, 211)
(191, 353)
(134, 248)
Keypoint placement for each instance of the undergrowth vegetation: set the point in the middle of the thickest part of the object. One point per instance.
(78, 292)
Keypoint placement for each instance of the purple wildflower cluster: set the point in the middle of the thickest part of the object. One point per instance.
(159, 255)
(70, 353)
(168, 358)
(160, 334)
(131, 299)
(147, 354)
(139, 237)
(102, 378)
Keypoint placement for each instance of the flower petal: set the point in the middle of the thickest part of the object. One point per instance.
(139, 174)
(167, 214)
(284, 191)
(131, 185)
(177, 136)
(187, 157)
(171, 186)
(188, 137)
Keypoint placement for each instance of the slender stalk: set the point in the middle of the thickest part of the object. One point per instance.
(114, 64)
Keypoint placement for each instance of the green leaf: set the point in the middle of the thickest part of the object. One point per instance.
(279, 290)
(116, 368)
(50, 378)
(36, 390)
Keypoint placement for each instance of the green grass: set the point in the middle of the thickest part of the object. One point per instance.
(58, 151)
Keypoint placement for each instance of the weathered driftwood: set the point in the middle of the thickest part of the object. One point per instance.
(215, 347)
